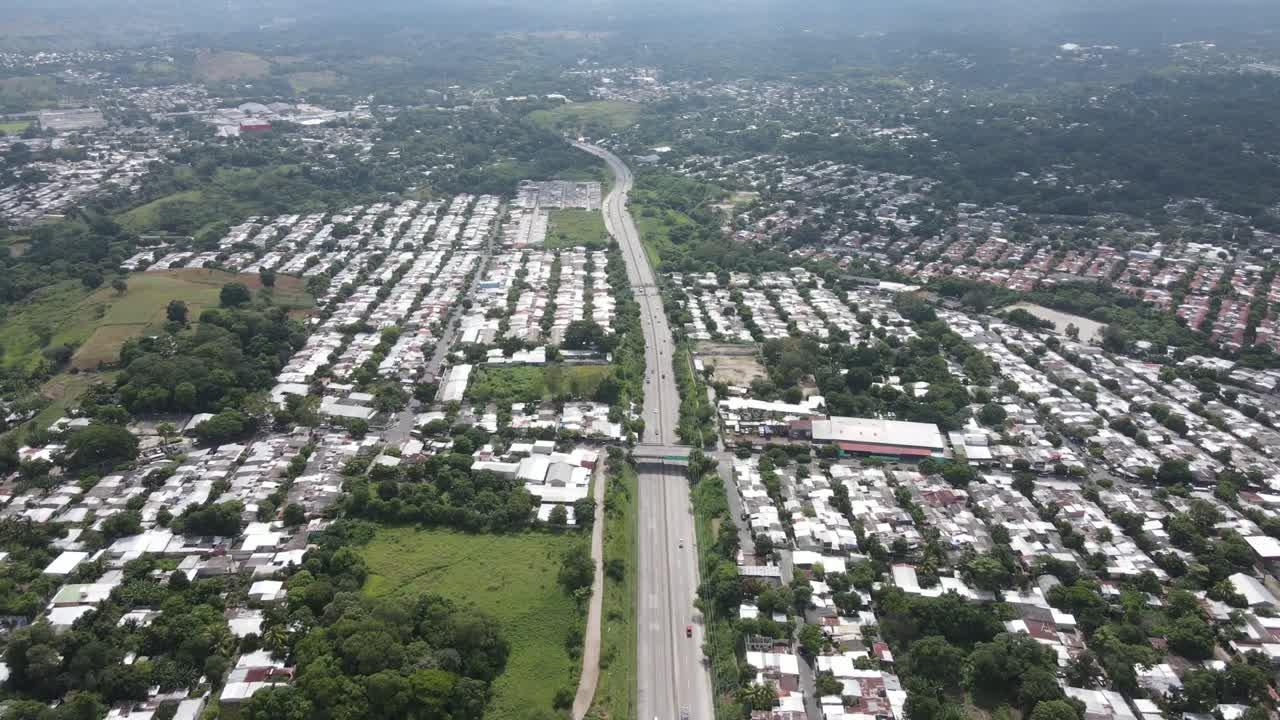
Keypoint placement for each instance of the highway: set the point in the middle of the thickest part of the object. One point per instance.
(672, 680)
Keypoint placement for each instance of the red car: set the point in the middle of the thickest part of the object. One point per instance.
(688, 631)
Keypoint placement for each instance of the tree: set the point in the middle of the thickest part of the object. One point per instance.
(1039, 685)
(234, 295)
(1174, 472)
(1055, 710)
(559, 516)
(224, 426)
(988, 573)
(1082, 671)
(268, 277)
(122, 524)
(992, 415)
(998, 669)
(1192, 638)
(100, 444)
(176, 311)
(937, 660)
(584, 511)
(277, 703)
(828, 684)
(583, 335)
(811, 640)
(91, 280)
(120, 286)
(294, 515)
(576, 569)
(759, 697)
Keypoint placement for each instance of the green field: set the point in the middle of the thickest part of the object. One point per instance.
(15, 127)
(573, 228)
(150, 216)
(228, 66)
(655, 225)
(30, 92)
(100, 321)
(510, 577)
(533, 384)
(610, 115)
(616, 693)
(319, 80)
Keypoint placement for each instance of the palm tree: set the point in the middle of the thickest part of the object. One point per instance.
(276, 639)
(167, 431)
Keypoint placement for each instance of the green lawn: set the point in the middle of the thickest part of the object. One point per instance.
(572, 228)
(532, 384)
(616, 694)
(14, 128)
(610, 115)
(510, 577)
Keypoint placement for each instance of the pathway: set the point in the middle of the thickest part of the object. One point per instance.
(591, 643)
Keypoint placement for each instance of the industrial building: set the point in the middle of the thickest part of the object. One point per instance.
(864, 436)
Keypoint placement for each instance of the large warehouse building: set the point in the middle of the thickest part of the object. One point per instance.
(864, 436)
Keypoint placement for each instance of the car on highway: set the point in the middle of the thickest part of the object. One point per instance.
(688, 631)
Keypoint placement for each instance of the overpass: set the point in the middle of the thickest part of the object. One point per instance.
(650, 455)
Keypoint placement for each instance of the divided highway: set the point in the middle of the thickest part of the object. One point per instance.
(672, 680)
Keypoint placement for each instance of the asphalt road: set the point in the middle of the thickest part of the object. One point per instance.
(672, 678)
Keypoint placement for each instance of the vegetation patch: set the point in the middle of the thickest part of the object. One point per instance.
(608, 115)
(317, 80)
(509, 577)
(616, 692)
(573, 228)
(98, 322)
(227, 66)
(32, 92)
(15, 127)
(534, 384)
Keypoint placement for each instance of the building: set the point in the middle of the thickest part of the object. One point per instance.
(869, 436)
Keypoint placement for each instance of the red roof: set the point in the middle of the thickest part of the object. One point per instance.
(884, 449)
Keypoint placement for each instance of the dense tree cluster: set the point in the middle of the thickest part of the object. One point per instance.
(215, 366)
(443, 491)
(188, 639)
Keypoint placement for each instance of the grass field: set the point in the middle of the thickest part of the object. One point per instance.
(572, 228)
(616, 694)
(655, 226)
(29, 92)
(611, 115)
(100, 321)
(510, 577)
(14, 128)
(320, 80)
(63, 390)
(146, 217)
(226, 66)
(532, 384)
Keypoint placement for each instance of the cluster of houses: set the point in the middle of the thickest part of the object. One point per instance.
(253, 117)
(405, 267)
(100, 160)
(1069, 412)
